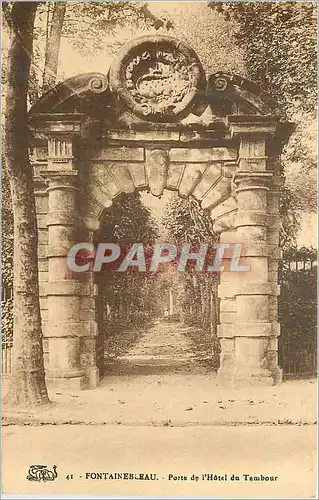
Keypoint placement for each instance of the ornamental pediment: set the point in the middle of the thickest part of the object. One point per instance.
(158, 80)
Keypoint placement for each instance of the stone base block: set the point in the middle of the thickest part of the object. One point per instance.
(277, 374)
(66, 384)
(86, 379)
(225, 378)
(237, 378)
(91, 377)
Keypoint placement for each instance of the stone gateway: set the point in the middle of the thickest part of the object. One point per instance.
(155, 121)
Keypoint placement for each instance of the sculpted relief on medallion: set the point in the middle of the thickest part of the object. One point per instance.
(158, 78)
(158, 81)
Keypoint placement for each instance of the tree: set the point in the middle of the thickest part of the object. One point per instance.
(94, 26)
(128, 296)
(279, 42)
(35, 37)
(27, 382)
(290, 218)
(52, 47)
(90, 26)
(186, 221)
(206, 31)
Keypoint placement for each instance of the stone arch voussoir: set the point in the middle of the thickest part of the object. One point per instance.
(209, 182)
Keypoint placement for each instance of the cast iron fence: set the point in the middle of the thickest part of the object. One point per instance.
(6, 357)
(297, 349)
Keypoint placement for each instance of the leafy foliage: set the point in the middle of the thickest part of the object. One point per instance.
(186, 221)
(91, 27)
(298, 311)
(207, 32)
(128, 296)
(290, 218)
(279, 42)
(280, 48)
(7, 320)
(89, 22)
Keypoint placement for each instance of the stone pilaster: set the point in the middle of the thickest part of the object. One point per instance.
(70, 328)
(255, 328)
(64, 290)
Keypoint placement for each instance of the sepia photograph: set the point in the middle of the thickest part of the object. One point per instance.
(159, 249)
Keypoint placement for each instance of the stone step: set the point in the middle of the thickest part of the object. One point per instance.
(157, 360)
(123, 367)
(158, 351)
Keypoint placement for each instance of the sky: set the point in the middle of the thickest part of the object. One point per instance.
(205, 30)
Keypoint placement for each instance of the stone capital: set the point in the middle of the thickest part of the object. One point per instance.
(249, 181)
(59, 179)
(57, 124)
(60, 152)
(61, 131)
(252, 127)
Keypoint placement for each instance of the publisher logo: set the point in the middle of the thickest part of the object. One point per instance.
(42, 473)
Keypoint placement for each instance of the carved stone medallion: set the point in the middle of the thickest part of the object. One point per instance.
(158, 77)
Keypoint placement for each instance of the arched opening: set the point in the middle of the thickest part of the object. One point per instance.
(154, 166)
(155, 318)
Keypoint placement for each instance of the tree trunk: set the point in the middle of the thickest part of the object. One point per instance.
(197, 297)
(33, 86)
(213, 313)
(52, 48)
(27, 382)
(205, 297)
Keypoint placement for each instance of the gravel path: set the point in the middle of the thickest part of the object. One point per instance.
(160, 349)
